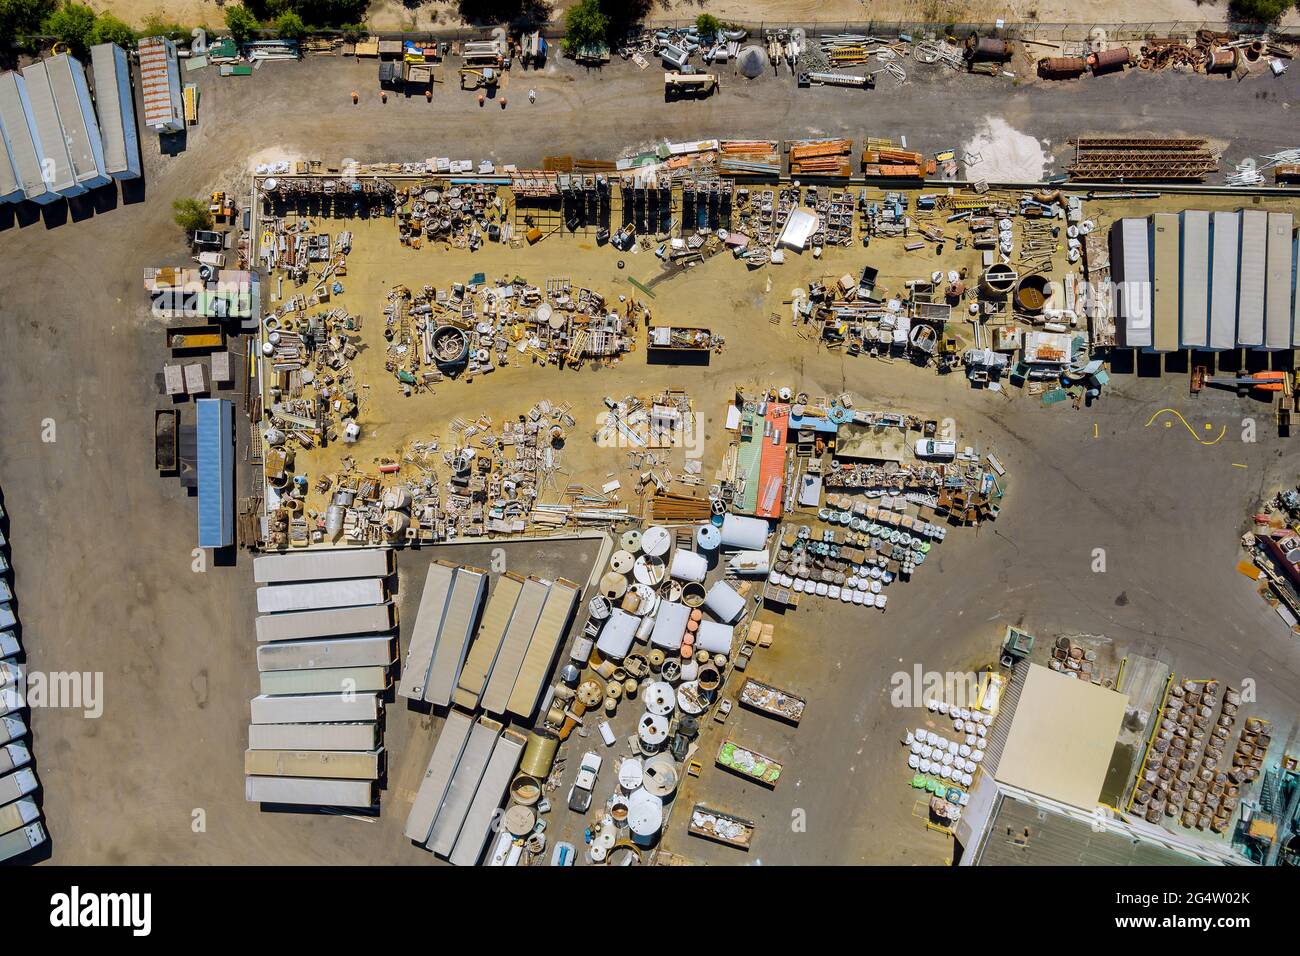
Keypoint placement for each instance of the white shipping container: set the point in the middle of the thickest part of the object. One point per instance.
(437, 776)
(1194, 266)
(16, 785)
(488, 798)
(18, 814)
(1278, 283)
(22, 139)
(1131, 273)
(314, 655)
(1225, 243)
(45, 117)
(314, 708)
(77, 115)
(332, 764)
(12, 728)
(115, 104)
(338, 622)
(424, 633)
(20, 841)
(467, 594)
(313, 736)
(324, 565)
(1250, 278)
(316, 792)
(13, 756)
(331, 680)
(320, 595)
(463, 786)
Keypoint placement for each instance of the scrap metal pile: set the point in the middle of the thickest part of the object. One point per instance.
(463, 216)
(1141, 158)
(1209, 52)
(471, 328)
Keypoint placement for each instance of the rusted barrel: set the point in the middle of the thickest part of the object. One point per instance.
(1104, 61)
(988, 49)
(1062, 67)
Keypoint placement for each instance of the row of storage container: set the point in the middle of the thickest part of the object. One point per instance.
(1206, 280)
(326, 648)
(53, 143)
(21, 829)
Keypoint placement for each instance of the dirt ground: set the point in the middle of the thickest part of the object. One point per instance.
(393, 15)
(102, 546)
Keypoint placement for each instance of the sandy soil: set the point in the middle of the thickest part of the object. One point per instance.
(396, 15)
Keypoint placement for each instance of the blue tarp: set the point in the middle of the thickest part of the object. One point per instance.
(216, 453)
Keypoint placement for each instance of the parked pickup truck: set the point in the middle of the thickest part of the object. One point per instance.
(938, 448)
(580, 792)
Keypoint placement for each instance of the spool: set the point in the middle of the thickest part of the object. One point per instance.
(631, 541)
(622, 561)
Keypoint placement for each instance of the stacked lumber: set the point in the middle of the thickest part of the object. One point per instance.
(669, 506)
(882, 157)
(826, 157)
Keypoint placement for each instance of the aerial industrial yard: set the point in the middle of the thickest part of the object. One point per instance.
(581, 464)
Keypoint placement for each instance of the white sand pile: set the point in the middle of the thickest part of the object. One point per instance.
(998, 153)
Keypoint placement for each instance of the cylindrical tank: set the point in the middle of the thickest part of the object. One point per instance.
(998, 280)
(1105, 61)
(539, 754)
(1062, 67)
(1032, 294)
(988, 49)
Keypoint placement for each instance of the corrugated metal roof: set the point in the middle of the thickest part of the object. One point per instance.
(1194, 293)
(77, 116)
(1225, 239)
(160, 83)
(1024, 834)
(116, 107)
(1278, 282)
(45, 121)
(1250, 278)
(216, 466)
(21, 138)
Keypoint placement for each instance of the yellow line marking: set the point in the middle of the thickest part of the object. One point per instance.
(1169, 424)
(1236, 465)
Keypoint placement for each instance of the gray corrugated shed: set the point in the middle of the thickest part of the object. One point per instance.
(21, 138)
(116, 106)
(1250, 278)
(1225, 242)
(77, 116)
(1130, 257)
(1194, 266)
(1278, 282)
(45, 119)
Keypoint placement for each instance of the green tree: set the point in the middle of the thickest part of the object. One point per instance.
(21, 17)
(156, 26)
(191, 214)
(1258, 11)
(109, 29)
(241, 23)
(72, 24)
(289, 26)
(708, 25)
(584, 23)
